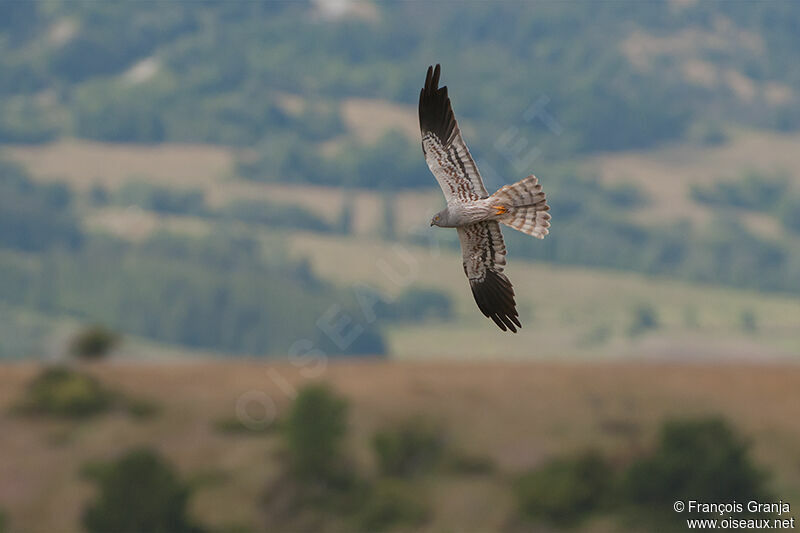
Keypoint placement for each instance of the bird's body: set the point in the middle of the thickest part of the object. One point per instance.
(472, 211)
(458, 213)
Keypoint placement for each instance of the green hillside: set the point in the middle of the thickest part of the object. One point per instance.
(615, 75)
(202, 175)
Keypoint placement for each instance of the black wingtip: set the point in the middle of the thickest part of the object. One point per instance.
(495, 298)
(435, 112)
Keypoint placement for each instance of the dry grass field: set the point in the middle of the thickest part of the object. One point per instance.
(516, 414)
(85, 163)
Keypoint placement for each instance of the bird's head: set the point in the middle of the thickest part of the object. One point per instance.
(436, 220)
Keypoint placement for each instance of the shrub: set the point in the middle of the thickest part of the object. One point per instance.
(418, 304)
(752, 191)
(162, 199)
(392, 504)
(702, 460)
(63, 392)
(275, 215)
(93, 342)
(790, 214)
(644, 319)
(344, 223)
(748, 321)
(142, 409)
(139, 492)
(98, 195)
(468, 464)
(389, 225)
(315, 429)
(35, 217)
(564, 491)
(707, 133)
(414, 447)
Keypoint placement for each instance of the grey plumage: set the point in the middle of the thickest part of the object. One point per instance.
(472, 211)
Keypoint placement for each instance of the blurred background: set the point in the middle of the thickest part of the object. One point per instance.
(222, 307)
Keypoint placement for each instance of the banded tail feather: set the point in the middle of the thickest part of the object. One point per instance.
(525, 207)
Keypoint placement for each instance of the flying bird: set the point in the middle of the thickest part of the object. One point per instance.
(472, 211)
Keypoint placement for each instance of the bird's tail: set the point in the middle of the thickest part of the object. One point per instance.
(523, 206)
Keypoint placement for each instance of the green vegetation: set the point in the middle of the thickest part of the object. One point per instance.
(315, 430)
(413, 447)
(391, 162)
(273, 215)
(753, 191)
(66, 393)
(63, 392)
(594, 80)
(645, 318)
(224, 292)
(417, 304)
(93, 342)
(756, 192)
(141, 409)
(215, 293)
(694, 459)
(723, 252)
(703, 460)
(564, 491)
(344, 223)
(462, 463)
(320, 484)
(161, 199)
(790, 214)
(392, 504)
(3, 521)
(389, 222)
(35, 217)
(200, 83)
(748, 321)
(139, 492)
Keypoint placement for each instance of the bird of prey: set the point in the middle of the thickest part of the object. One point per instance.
(472, 211)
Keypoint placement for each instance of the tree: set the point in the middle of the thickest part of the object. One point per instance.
(414, 447)
(139, 492)
(564, 491)
(388, 228)
(315, 430)
(703, 460)
(93, 342)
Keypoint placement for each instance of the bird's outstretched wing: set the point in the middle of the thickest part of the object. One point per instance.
(445, 152)
(484, 254)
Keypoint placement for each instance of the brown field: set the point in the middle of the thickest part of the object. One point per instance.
(516, 414)
(369, 119)
(85, 163)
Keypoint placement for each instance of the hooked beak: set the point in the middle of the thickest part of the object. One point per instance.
(431, 223)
